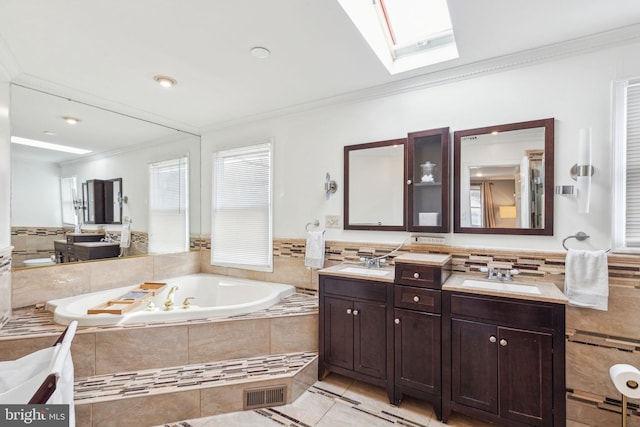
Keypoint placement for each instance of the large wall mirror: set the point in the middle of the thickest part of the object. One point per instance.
(504, 179)
(125, 150)
(375, 190)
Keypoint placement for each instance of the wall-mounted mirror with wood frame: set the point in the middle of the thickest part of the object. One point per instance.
(374, 182)
(504, 179)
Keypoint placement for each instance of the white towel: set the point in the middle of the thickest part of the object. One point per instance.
(314, 252)
(586, 280)
(125, 235)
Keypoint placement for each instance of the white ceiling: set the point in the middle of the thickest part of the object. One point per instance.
(106, 53)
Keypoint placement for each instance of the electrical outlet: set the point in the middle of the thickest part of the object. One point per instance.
(434, 240)
(332, 221)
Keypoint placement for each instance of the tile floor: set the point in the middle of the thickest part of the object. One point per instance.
(337, 401)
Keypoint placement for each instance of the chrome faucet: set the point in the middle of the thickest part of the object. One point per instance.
(168, 303)
(374, 262)
(507, 276)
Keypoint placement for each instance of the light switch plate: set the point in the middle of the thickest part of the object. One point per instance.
(333, 221)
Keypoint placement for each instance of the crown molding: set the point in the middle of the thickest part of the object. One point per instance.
(553, 52)
(8, 64)
(36, 83)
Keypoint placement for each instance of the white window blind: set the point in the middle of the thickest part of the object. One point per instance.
(169, 206)
(632, 176)
(626, 167)
(241, 234)
(68, 194)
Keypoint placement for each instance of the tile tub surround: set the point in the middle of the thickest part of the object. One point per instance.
(290, 326)
(145, 397)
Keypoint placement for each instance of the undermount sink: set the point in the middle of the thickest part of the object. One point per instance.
(365, 271)
(501, 286)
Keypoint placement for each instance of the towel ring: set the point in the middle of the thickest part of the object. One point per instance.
(314, 223)
(580, 236)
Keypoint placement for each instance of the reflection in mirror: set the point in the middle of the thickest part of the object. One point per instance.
(375, 177)
(47, 186)
(504, 179)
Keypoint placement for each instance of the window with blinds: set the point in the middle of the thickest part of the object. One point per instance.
(169, 206)
(626, 168)
(241, 235)
(68, 194)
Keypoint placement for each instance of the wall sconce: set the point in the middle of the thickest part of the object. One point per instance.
(508, 212)
(583, 170)
(330, 186)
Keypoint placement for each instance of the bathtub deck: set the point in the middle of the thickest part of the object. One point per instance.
(103, 388)
(149, 374)
(39, 322)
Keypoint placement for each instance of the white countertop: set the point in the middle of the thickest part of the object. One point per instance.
(423, 259)
(519, 289)
(358, 271)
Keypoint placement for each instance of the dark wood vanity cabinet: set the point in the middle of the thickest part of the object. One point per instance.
(66, 249)
(504, 361)
(417, 336)
(355, 329)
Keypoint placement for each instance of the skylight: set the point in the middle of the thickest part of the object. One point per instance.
(405, 34)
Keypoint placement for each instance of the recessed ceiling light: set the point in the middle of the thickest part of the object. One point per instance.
(47, 145)
(165, 81)
(71, 120)
(260, 52)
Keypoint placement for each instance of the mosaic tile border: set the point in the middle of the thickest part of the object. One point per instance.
(5, 259)
(39, 322)
(605, 403)
(102, 388)
(139, 240)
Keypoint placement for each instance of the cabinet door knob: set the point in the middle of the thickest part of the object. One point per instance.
(348, 311)
(416, 298)
(416, 275)
(408, 182)
(492, 339)
(503, 342)
(396, 321)
(355, 312)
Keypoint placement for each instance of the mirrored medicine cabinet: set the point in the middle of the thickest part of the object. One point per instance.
(399, 184)
(102, 201)
(504, 179)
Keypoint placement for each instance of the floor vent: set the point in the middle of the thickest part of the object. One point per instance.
(265, 396)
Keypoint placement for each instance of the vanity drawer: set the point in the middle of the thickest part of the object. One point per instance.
(417, 298)
(506, 312)
(361, 289)
(422, 276)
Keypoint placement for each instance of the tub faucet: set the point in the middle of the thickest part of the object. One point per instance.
(168, 303)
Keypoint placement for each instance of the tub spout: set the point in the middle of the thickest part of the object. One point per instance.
(168, 303)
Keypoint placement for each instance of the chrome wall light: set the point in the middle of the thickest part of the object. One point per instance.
(582, 171)
(330, 186)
